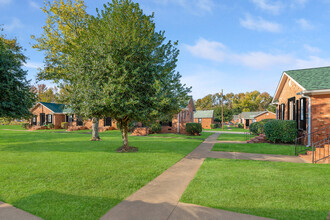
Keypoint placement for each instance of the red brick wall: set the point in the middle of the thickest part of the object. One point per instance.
(206, 122)
(320, 111)
(266, 115)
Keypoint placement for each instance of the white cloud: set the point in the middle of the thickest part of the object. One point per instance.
(304, 24)
(311, 49)
(301, 3)
(216, 51)
(5, 2)
(34, 65)
(210, 50)
(260, 24)
(261, 60)
(273, 7)
(15, 23)
(34, 4)
(195, 6)
(312, 61)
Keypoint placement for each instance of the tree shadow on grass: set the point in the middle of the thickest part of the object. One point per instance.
(55, 205)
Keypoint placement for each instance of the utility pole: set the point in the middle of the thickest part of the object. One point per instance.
(222, 108)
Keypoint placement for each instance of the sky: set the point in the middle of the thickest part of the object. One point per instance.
(237, 46)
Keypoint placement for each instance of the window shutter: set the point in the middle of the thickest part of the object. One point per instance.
(280, 112)
(283, 109)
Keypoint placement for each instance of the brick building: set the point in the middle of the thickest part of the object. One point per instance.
(265, 115)
(304, 96)
(52, 113)
(206, 118)
(179, 121)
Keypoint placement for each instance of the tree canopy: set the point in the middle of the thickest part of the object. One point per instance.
(235, 103)
(16, 98)
(120, 66)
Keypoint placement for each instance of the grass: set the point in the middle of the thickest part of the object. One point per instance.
(203, 136)
(261, 148)
(232, 129)
(65, 176)
(234, 137)
(269, 189)
(12, 127)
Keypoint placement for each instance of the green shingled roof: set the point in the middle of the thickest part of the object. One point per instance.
(250, 115)
(312, 79)
(204, 114)
(57, 108)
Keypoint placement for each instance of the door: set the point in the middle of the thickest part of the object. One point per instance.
(107, 121)
(247, 122)
(42, 119)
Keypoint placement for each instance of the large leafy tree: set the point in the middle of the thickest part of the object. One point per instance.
(45, 94)
(16, 98)
(125, 69)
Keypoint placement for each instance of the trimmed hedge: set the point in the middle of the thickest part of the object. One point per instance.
(194, 128)
(257, 128)
(240, 125)
(50, 126)
(155, 128)
(64, 125)
(281, 131)
(213, 126)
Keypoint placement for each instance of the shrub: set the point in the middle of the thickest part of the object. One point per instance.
(194, 128)
(280, 131)
(155, 128)
(64, 125)
(50, 126)
(26, 125)
(213, 126)
(240, 125)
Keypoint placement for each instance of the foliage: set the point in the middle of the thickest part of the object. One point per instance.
(227, 114)
(155, 128)
(257, 128)
(50, 126)
(16, 98)
(240, 125)
(194, 128)
(64, 125)
(213, 126)
(26, 125)
(281, 131)
(45, 94)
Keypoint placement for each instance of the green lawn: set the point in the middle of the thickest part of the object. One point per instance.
(234, 137)
(65, 176)
(232, 129)
(262, 148)
(203, 136)
(269, 189)
(13, 127)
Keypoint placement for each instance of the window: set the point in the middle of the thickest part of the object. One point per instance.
(49, 119)
(291, 108)
(34, 119)
(200, 121)
(302, 109)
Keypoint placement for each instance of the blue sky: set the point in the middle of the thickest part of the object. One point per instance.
(238, 46)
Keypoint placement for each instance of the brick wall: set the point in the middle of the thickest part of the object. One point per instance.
(320, 111)
(266, 115)
(206, 122)
(57, 118)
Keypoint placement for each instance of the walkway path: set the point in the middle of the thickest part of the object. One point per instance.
(9, 212)
(159, 199)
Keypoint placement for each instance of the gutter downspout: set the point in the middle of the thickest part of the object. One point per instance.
(178, 128)
(309, 118)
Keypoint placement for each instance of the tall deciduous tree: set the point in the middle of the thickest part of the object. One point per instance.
(16, 98)
(125, 69)
(45, 94)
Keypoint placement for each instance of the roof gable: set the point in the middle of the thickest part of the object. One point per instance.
(250, 115)
(312, 79)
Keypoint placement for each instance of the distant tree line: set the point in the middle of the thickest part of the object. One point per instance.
(235, 103)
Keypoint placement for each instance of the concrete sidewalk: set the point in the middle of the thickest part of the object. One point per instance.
(251, 156)
(9, 212)
(159, 199)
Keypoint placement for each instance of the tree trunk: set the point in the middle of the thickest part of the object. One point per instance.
(95, 130)
(124, 133)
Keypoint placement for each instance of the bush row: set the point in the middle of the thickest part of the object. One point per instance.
(281, 131)
(194, 128)
(213, 126)
(257, 128)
